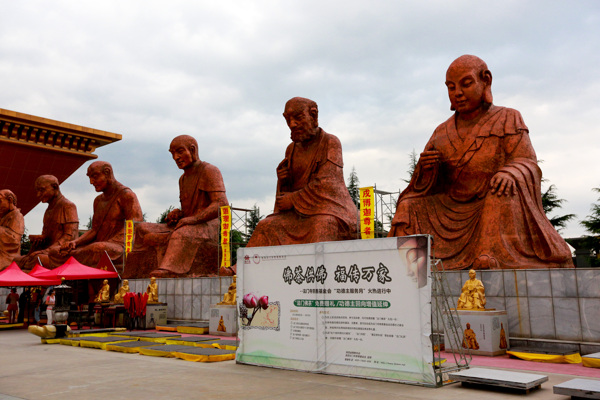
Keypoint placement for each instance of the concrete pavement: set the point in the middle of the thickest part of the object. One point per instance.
(31, 370)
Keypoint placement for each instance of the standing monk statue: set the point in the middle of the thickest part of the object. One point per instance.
(12, 227)
(60, 223)
(189, 244)
(116, 204)
(476, 187)
(312, 202)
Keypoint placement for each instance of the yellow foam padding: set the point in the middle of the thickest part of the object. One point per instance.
(547, 358)
(590, 362)
(224, 347)
(7, 326)
(180, 342)
(192, 330)
(67, 342)
(155, 352)
(153, 340)
(204, 358)
(167, 328)
(50, 341)
(98, 345)
(103, 334)
(439, 362)
(113, 347)
(206, 345)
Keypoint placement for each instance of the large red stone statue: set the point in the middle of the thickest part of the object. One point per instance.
(312, 202)
(116, 204)
(189, 243)
(60, 223)
(476, 187)
(12, 227)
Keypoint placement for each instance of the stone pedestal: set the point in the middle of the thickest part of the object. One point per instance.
(156, 314)
(484, 331)
(223, 320)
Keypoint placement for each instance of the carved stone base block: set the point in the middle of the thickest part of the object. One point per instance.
(484, 334)
(223, 320)
(156, 314)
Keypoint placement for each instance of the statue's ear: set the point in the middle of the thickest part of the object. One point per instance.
(486, 76)
(314, 113)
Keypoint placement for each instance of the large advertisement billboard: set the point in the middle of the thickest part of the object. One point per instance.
(355, 308)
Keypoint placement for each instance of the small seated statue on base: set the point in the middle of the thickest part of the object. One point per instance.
(230, 297)
(123, 290)
(152, 291)
(104, 293)
(473, 294)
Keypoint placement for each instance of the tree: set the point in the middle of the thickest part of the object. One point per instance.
(412, 165)
(25, 243)
(550, 202)
(253, 219)
(163, 217)
(592, 223)
(353, 187)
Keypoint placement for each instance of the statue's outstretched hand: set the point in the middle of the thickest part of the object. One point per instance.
(68, 247)
(503, 184)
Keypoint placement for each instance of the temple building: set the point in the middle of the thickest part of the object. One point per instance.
(31, 146)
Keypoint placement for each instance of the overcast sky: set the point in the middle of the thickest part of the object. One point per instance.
(222, 72)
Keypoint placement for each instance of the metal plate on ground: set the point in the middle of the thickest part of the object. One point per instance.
(104, 339)
(150, 335)
(579, 388)
(136, 343)
(593, 355)
(495, 377)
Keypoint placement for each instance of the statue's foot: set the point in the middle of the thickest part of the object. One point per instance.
(163, 273)
(485, 262)
(227, 271)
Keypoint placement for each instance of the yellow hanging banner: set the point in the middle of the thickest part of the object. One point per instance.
(225, 233)
(367, 213)
(128, 236)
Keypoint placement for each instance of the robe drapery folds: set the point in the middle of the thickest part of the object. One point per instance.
(473, 228)
(322, 207)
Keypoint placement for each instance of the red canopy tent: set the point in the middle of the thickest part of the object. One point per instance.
(38, 269)
(13, 276)
(72, 270)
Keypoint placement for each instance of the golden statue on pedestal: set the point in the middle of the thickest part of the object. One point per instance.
(152, 291)
(123, 290)
(473, 294)
(104, 293)
(230, 297)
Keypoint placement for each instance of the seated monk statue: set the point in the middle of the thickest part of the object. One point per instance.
(476, 187)
(12, 227)
(189, 243)
(472, 296)
(152, 291)
(104, 293)
(116, 204)
(61, 223)
(230, 297)
(312, 203)
(123, 290)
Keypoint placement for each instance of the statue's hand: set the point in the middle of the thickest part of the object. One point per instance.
(430, 158)
(185, 221)
(503, 184)
(284, 202)
(283, 173)
(68, 247)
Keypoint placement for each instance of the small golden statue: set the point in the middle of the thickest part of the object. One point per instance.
(473, 294)
(123, 290)
(229, 298)
(104, 293)
(470, 339)
(152, 291)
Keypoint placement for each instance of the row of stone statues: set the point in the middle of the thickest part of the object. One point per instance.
(476, 189)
